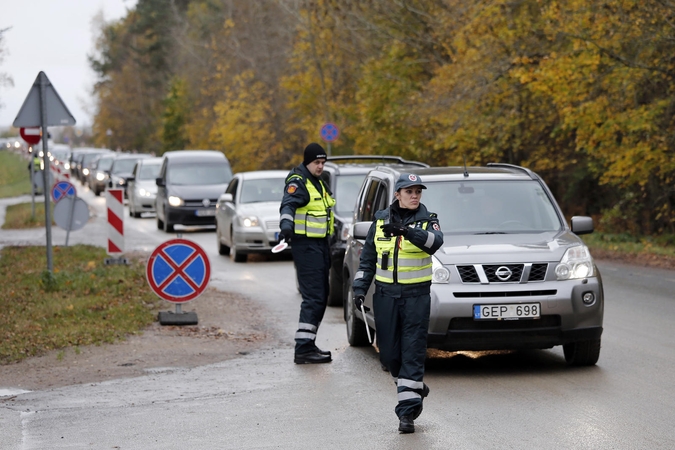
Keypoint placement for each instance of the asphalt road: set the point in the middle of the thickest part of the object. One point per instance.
(508, 400)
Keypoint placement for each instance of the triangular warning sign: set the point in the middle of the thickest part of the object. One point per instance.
(57, 113)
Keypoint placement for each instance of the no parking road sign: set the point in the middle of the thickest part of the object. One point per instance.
(178, 270)
(329, 132)
(63, 189)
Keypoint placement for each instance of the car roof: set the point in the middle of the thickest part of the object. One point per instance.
(194, 155)
(493, 171)
(150, 160)
(260, 174)
(361, 164)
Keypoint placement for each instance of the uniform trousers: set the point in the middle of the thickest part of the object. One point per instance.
(312, 265)
(402, 322)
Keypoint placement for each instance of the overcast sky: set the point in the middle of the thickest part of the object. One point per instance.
(53, 36)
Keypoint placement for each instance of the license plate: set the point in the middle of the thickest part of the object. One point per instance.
(507, 311)
(205, 212)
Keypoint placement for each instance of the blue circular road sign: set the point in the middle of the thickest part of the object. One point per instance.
(178, 270)
(63, 189)
(329, 132)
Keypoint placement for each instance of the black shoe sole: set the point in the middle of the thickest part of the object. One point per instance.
(311, 361)
(406, 430)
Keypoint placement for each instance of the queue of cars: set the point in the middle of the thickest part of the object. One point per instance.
(512, 274)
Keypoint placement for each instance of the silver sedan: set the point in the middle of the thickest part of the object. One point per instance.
(247, 214)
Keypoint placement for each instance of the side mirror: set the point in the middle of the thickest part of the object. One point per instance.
(160, 182)
(226, 197)
(582, 225)
(361, 229)
(130, 179)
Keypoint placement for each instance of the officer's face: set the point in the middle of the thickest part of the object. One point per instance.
(316, 167)
(409, 197)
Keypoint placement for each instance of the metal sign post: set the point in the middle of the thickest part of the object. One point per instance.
(42, 108)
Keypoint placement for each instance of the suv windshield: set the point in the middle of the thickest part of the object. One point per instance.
(346, 190)
(104, 163)
(149, 171)
(200, 174)
(491, 207)
(262, 190)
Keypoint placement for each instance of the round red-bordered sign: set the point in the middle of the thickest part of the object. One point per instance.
(178, 270)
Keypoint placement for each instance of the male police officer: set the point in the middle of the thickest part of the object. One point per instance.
(307, 221)
(397, 253)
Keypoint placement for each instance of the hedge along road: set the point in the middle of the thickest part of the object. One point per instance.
(500, 400)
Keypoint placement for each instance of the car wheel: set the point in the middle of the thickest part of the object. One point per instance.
(238, 256)
(160, 223)
(222, 248)
(168, 227)
(582, 353)
(97, 192)
(356, 328)
(335, 288)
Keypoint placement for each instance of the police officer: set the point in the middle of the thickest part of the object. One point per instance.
(307, 221)
(397, 252)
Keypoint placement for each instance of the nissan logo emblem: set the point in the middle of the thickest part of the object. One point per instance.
(206, 202)
(503, 273)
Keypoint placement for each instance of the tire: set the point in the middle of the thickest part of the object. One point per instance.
(582, 353)
(238, 257)
(168, 227)
(160, 223)
(222, 248)
(335, 288)
(356, 328)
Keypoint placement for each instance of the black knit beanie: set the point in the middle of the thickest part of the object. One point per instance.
(313, 152)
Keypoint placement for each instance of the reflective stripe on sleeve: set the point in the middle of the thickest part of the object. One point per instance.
(286, 217)
(358, 275)
(430, 239)
(307, 326)
(305, 335)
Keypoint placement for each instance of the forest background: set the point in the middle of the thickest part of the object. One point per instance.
(580, 91)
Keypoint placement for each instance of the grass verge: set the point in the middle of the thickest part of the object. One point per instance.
(652, 251)
(82, 302)
(20, 216)
(14, 175)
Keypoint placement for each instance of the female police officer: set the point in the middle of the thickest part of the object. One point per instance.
(397, 252)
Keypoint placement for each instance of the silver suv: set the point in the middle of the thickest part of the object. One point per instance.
(511, 274)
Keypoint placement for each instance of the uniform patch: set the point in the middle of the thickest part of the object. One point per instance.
(436, 227)
(291, 188)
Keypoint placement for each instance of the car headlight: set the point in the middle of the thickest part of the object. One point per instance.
(100, 176)
(175, 201)
(120, 181)
(66, 166)
(143, 193)
(439, 273)
(576, 263)
(248, 221)
(85, 172)
(344, 233)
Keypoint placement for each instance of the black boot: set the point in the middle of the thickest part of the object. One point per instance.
(312, 358)
(406, 425)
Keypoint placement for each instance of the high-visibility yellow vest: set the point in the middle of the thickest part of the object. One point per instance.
(315, 219)
(400, 257)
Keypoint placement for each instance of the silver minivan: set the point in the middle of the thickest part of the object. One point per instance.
(512, 273)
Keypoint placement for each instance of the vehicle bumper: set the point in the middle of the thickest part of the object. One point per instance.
(564, 316)
(255, 240)
(189, 215)
(144, 204)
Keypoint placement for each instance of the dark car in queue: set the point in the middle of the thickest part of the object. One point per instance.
(344, 175)
(188, 187)
(142, 187)
(247, 214)
(88, 158)
(121, 169)
(99, 172)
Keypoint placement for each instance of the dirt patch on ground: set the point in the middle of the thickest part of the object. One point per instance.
(229, 325)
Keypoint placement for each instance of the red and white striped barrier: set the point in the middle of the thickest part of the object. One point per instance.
(114, 199)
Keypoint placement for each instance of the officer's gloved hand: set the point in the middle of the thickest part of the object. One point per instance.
(395, 229)
(285, 235)
(358, 302)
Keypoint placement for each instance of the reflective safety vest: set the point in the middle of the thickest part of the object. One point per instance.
(399, 260)
(315, 219)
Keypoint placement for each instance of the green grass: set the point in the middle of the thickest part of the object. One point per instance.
(82, 302)
(20, 216)
(14, 177)
(654, 248)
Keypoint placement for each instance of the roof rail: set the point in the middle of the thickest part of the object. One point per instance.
(382, 158)
(513, 166)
